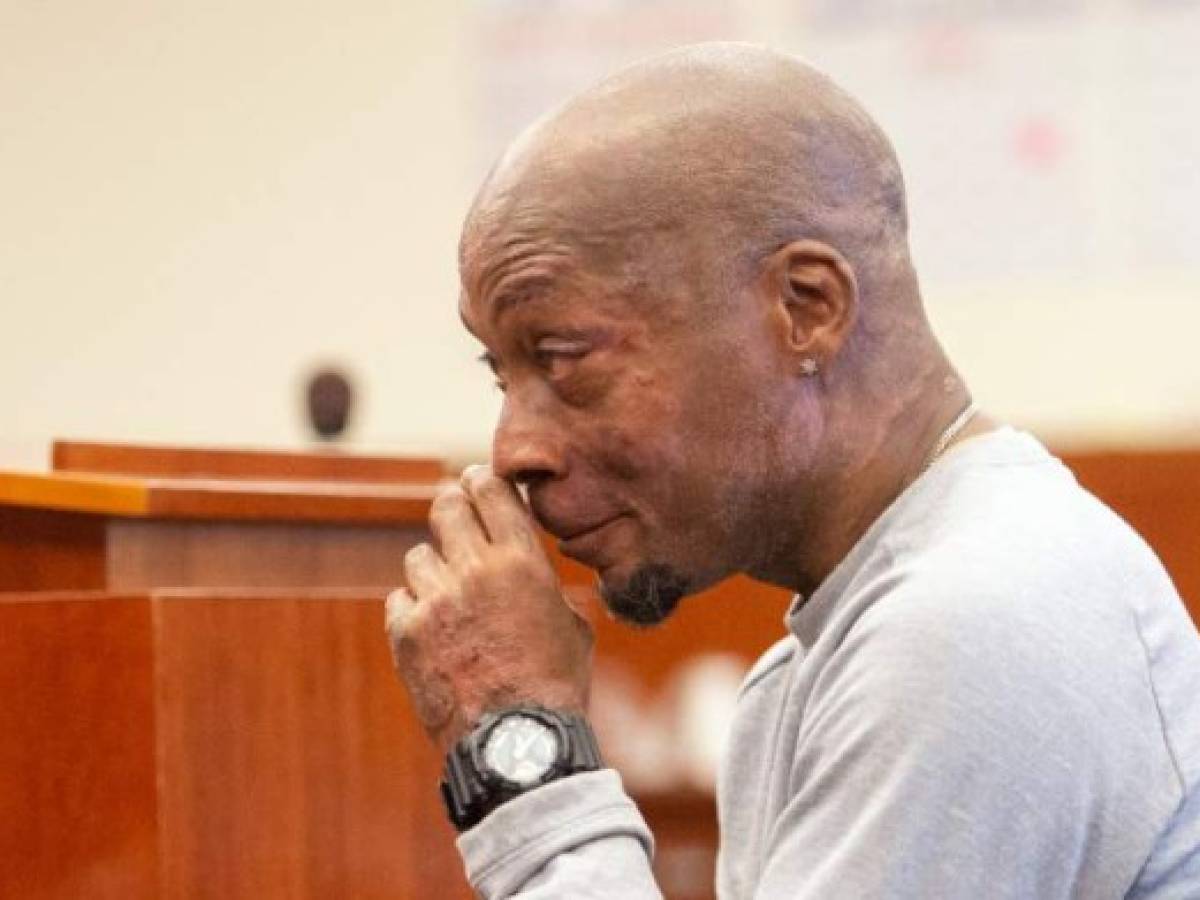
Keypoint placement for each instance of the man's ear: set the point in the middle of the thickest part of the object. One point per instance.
(814, 297)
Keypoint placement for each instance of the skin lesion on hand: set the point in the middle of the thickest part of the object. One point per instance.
(483, 623)
(433, 700)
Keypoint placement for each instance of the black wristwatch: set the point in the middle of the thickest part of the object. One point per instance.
(510, 752)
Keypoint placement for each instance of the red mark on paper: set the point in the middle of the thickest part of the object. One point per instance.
(1039, 142)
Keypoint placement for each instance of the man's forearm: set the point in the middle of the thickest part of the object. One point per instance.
(578, 837)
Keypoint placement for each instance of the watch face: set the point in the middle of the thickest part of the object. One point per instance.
(522, 749)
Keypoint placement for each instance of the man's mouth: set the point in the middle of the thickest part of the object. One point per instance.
(584, 544)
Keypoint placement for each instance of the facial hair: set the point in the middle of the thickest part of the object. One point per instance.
(648, 597)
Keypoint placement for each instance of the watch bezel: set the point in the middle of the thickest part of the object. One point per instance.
(495, 779)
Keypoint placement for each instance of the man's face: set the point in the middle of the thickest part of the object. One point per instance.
(644, 435)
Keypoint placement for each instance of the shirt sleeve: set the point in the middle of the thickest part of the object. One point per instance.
(578, 837)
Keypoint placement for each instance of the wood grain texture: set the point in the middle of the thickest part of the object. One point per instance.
(232, 499)
(145, 554)
(204, 744)
(291, 764)
(313, 501)
(1158, 493)
(684, 824)
(106, 495)
(225, 463)
(77, 748)
(45, 549)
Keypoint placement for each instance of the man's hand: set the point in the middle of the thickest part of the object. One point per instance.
(483, 623)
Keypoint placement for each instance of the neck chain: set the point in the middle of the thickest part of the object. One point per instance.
(952, 431)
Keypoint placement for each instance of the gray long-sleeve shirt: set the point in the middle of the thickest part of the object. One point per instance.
(995, 695)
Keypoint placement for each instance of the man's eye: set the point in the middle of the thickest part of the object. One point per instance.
(554, 354)
(494, 367)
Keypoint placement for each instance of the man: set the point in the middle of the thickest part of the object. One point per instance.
(694, 288)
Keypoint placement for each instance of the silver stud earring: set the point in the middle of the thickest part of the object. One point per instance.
(809, 366)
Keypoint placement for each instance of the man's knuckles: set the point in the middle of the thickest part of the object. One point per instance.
(398, 607)
(496, 574)
(512, 567)
(448, 502)
(416, 559)
(431, 627)
(474, 477)
(487, 488)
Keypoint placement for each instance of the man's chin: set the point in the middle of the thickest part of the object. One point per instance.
(647, 596)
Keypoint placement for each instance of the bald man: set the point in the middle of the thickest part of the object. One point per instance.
(694, 287)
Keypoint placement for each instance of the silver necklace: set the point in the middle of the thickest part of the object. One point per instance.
(952, 431)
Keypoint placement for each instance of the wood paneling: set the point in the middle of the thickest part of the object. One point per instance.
(106, 495)
(44, 549)
(204, 744)
(224, 463)
(1158, 493)
(684, 824)
(190, 498)
(77, 790)
(149, 553)
(314, 501)
(291, 763)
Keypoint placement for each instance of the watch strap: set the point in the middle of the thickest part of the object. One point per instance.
(471, 790)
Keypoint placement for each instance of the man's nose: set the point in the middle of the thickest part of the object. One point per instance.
(528, 446)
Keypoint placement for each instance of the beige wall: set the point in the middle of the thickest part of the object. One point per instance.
(198, 201)
(202, 199)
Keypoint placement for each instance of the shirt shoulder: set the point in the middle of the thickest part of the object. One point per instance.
(776, 656)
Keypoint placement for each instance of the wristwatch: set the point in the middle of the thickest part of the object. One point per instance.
(510, 752)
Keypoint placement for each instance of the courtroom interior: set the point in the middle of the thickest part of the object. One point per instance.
(238, 381)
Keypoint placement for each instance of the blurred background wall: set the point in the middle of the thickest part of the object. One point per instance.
(200, 203)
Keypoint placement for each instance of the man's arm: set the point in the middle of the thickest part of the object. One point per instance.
(483, 625)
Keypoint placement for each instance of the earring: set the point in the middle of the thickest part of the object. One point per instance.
(809, 366)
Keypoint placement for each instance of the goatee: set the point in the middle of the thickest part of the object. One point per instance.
(648, 597)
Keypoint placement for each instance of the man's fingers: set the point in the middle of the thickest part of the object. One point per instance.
(499, 507)
(425, 571)
(458, 530)
(399, 606)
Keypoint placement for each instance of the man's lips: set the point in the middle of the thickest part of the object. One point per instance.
(583, 543)
(566, 521)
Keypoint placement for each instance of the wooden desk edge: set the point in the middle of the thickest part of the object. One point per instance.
(75, 493)
(241, 500)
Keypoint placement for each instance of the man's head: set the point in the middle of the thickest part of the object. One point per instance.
(654, 270)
